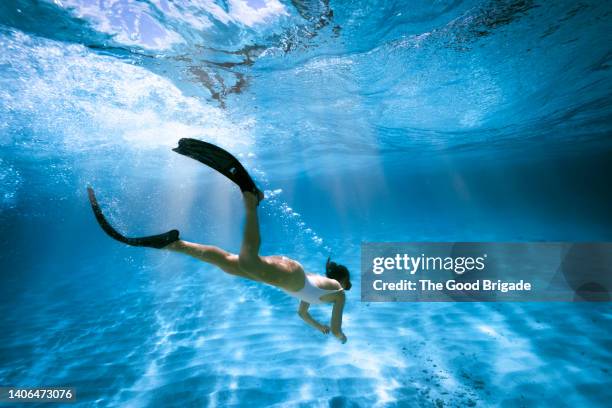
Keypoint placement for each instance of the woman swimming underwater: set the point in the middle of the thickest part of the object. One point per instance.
(279, 271)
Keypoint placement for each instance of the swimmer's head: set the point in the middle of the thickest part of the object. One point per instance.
(339, 273)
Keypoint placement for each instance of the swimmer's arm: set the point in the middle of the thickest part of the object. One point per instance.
(303, 312)
(336, 319)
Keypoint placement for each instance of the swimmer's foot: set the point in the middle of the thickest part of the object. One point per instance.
(260, 195)
(154, 241)
(252, 200)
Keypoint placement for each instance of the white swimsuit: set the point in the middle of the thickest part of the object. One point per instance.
(310, 293)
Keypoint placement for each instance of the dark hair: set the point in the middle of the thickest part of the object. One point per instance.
(338, 272)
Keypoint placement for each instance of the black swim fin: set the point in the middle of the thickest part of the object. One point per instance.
(221, 160)
(153, 241)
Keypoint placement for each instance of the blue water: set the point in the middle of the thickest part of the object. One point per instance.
(364, 121)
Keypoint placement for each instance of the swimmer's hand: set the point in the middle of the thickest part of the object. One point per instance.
(323, 329)
(340, 336)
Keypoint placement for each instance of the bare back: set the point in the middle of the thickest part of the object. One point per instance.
(280, 271)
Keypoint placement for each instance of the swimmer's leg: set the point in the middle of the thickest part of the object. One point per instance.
(251, 239)
(224, 260)
(249, 259)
